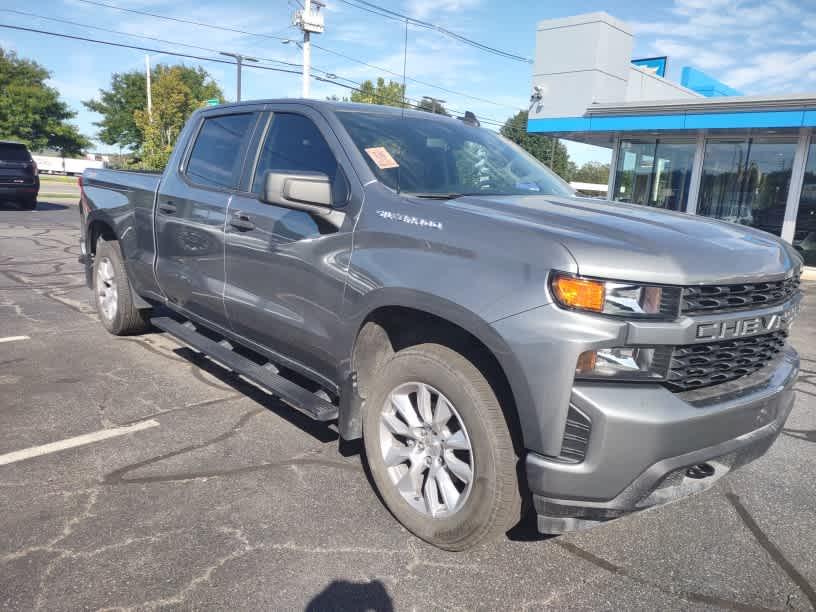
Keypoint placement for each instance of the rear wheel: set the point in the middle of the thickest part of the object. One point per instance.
(28, 203)
(112, 293)
(440, 450)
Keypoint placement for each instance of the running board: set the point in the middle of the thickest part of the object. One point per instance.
(296, 396)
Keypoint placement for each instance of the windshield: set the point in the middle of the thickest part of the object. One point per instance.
(433, 157)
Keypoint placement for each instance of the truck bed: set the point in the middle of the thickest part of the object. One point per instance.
(121, 180)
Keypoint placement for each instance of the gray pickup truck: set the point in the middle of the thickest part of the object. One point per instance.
(497, 343)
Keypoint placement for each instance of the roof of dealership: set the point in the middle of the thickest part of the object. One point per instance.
(592, 89)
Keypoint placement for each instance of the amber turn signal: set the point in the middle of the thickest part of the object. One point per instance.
(586, 362)
(580, 293)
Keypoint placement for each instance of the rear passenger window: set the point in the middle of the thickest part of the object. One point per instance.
(10, 151)
(294, 144)
(215, 160)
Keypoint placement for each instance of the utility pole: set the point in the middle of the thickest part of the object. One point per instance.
(239, 60)
(149, 94)
(309, 22)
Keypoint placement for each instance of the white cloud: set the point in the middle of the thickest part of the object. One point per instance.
(707, 60)
(422, 9)
(750, 44)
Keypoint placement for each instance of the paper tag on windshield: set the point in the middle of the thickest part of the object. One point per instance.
(382, 158)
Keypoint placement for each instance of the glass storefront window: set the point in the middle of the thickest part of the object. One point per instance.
(747, 181)
(804, 236)
(654, 173)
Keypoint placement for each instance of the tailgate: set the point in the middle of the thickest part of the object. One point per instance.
(16, 173)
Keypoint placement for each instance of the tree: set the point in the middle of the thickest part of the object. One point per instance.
(173, 102)
(592, 172)
(31, 111)
(549, 151)
(432, 105)
(389, 94)
(128, 93)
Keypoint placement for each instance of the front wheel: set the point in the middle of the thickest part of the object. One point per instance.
(440, 450)
(112, 293)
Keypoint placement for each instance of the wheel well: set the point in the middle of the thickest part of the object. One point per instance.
(97, 229)
(390, 329)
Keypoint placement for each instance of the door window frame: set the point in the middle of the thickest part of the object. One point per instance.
(341, 157)
(256, 110)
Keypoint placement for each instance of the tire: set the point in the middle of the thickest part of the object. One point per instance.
(28, 204)
(489, 502)
(112, 292)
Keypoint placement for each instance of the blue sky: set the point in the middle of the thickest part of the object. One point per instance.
(757, 46)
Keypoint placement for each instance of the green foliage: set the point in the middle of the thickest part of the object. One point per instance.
(389, 94)
(549, 151)
(128, 94)
(592, 172)
(173, 102)
(31, 111)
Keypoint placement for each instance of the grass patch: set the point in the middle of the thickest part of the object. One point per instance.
(56, 178)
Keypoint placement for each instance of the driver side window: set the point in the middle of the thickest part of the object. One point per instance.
(294, 144)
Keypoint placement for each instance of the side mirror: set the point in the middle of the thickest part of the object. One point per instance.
(309, 191)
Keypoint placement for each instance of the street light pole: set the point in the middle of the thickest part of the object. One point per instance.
(239, 60)
(149, 94)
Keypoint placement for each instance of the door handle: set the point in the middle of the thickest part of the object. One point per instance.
(241, 221)
(167, 208)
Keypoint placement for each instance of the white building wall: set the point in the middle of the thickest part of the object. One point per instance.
(587, 59)
(643, 84)
(580, 60)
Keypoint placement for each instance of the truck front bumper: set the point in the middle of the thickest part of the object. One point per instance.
(649, 446)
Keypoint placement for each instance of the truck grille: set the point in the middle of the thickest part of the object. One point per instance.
(708, 299)
(576, 436)
(699, 365)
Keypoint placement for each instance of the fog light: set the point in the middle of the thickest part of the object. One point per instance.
(623, 363)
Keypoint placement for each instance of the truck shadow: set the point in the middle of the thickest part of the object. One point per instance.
(322, 431)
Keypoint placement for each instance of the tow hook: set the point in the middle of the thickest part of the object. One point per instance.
(700, 471)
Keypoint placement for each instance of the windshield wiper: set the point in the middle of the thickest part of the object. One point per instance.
(434, 196)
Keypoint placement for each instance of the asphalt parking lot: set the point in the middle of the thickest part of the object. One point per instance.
(217, 496)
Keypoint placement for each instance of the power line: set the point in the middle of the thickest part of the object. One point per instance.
(315, 45)
(143, 36)
(139, 48)
(412, 79)
(180, 20)
(333, 81)
(389, 14)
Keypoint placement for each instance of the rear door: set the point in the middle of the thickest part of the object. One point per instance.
(191, 212)
(286, 268)
(16, 166)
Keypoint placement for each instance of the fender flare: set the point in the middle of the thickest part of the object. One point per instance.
(351, 403)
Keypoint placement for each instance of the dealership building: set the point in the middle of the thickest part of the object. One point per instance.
(696, 146)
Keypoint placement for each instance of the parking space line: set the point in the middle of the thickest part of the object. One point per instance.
(14, 338)
(96, 436)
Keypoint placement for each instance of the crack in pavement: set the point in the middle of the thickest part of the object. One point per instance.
(690, 596)
(118, 476)
(776, 554)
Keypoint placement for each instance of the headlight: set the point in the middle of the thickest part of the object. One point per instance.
(614, 297)
(625, 363)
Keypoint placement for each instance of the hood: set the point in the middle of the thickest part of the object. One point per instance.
(637, 243)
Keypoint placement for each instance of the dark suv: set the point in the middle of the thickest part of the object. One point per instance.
(19, 178)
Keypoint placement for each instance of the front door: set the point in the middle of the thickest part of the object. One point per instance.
(286, 268)
(191, 211)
